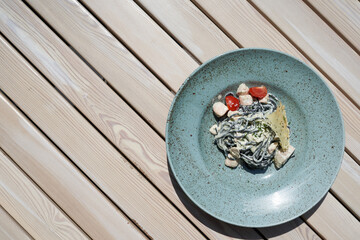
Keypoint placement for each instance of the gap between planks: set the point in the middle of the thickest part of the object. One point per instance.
(11, 229)
(217, 24)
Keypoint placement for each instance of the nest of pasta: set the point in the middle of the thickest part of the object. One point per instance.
(254, 131)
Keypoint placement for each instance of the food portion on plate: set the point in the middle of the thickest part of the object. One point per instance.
(252, 127)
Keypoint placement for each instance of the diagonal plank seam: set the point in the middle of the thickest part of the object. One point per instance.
(216, 23)
(355, 158)
(313, 8)
(66, 156)
(165, 29)
(303, 53)
(102, 134)
(77, 53)
(38, 187)
(2, 208)
(344, 204)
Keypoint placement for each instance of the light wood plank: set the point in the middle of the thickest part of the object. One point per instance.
(347, 185)
(251, 29)
(318, 41)
(40, 217)
(333, 221)
(89, 150)
(111, 59)
(146, 38)
(10, 229)
(343, 15)
(119, 123)
(189, 26)
(61, 181)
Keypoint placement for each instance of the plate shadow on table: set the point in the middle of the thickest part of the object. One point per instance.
(233, 230)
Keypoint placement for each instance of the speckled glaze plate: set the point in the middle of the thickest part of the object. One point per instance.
(241, 196)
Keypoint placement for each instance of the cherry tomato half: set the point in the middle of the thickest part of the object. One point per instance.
(258, 92)
(232, 102)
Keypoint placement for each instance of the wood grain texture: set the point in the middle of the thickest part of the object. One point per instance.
(343, 15)
(190, 27)
(110, 58)
(102, 163)
(61, 181)
(251, 29)
(10, 229)
(108, 112)
(31, 208)
(347, 185)
(140, 33)
(318, 41)
(333, 221)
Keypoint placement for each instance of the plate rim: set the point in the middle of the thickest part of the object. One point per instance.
(322, 195)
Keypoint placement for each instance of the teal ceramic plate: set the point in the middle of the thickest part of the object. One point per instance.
(242, 196)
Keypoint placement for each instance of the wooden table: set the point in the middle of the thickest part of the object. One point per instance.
(85, 91)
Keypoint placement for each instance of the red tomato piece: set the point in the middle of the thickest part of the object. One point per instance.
(232, 102)
(258, 92)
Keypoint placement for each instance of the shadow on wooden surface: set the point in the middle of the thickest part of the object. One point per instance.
(233, 230)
